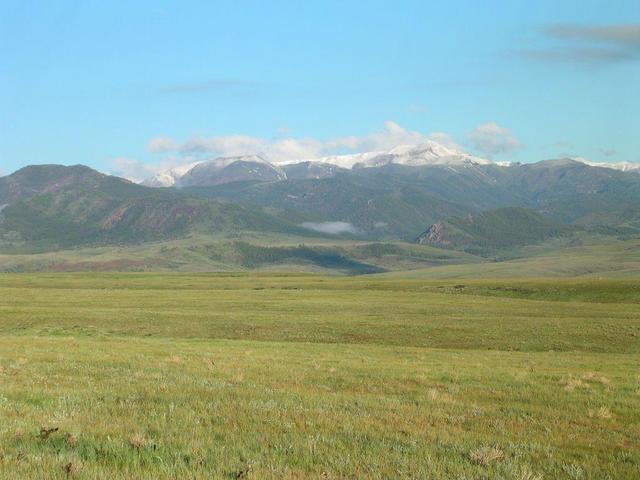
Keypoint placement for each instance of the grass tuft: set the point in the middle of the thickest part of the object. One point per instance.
(602, 412)
(72, 469)
(593, 377)
(486, 455)
(137, 441)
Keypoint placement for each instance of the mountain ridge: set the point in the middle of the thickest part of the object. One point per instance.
(65, 206)
(54, 206)
(426, 153)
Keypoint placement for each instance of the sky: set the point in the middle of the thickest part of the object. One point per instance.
(134, 87)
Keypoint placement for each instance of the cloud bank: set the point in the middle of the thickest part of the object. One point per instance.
(286, 149)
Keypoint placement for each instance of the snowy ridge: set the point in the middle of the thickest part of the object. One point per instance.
(169, 177)
(427, 153)
(621, 166)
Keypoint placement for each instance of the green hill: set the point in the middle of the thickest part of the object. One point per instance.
(54, 207)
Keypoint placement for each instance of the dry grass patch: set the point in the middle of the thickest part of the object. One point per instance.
(436, 395)
(72, 469)
(527, 474)
(137, 441)
(486, 455)
(593, 377)
(601, 412)
(211, 364)
(572, 384)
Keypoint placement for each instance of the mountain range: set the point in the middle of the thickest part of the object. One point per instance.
(427, 195)
(254, 167)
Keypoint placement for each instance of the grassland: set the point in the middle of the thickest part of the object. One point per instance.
(579, 255)
(303, 376)
(592, 256)
(238, 252)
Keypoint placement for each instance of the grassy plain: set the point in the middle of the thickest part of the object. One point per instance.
(303, 376)
(593, 257)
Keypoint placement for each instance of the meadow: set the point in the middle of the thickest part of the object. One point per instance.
(143, 375)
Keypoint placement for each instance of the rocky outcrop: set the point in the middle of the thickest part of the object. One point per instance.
(434, 235)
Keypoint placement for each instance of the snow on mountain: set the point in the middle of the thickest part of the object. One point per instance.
(622, 166)
(342, 161)
(251, 167)
(432, 153)
(230, 169)
(223, 162)
(254, 167)
(427, 153)
(169, 178)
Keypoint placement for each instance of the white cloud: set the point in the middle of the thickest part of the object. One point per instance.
(332, 228)
(492, 139)
(391, 136)
(287, 149)
(161, 145)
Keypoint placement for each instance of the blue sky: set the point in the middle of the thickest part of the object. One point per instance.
(130, 87)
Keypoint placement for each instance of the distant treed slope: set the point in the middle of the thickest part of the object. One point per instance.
(63, 206)
(379, 207)
(573, 192)
(232, 169)
(305, 170)
(396, 200)
(393, 201)
(493, 229)
(33, 180)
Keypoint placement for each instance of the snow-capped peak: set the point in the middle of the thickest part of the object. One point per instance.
(432, 153)
(222, 162)
(428, 147)
(426, 153)
(622, 166)
(170, 177)
(343, 161)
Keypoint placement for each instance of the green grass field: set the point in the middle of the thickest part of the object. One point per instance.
(204, 376)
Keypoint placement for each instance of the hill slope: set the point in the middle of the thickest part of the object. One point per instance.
(396, 201)
(492, 230)
(54, 206)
